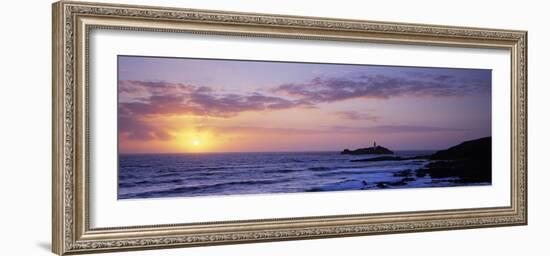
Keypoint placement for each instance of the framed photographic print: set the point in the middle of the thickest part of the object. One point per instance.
(179, 127)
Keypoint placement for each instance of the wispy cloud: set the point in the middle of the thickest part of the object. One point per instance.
(134, 128)
(356, 116)
(148, 98)
(380, 129)
(396, 129)
(380, 86)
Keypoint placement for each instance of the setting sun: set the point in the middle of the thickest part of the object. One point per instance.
(196, 142)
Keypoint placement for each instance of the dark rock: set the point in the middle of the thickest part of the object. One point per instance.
(376, 159)
(419, 158)
(408, 179)
(377, 150)
(314, 190)
(397, 183)
(473, 149)
(421, 173)
(392, 158)
(469, 161)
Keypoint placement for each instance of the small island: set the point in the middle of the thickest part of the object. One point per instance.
(374, 150)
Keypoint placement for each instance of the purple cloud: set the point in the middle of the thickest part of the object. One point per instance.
(379, 86)
(138, 100)
(356, 116)
(149, 98)
(136, 129)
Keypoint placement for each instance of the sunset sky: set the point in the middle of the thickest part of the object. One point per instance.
(181, 105)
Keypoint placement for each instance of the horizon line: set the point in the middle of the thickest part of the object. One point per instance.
(238, 152)
(291, 151)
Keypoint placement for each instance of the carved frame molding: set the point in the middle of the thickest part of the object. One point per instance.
(72, 22)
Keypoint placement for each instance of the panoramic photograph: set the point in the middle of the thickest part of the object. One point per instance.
(212, 127)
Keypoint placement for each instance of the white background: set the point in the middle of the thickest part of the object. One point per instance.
(25, 102)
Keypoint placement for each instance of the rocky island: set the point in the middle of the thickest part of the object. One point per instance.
(374, 150)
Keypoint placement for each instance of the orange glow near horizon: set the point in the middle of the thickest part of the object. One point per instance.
(194, 140)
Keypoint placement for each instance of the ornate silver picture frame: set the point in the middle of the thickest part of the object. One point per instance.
(72, 208)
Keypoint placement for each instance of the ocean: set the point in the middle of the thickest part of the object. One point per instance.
(209, 174)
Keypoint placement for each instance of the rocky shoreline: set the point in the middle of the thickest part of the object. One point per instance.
(467, 162)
